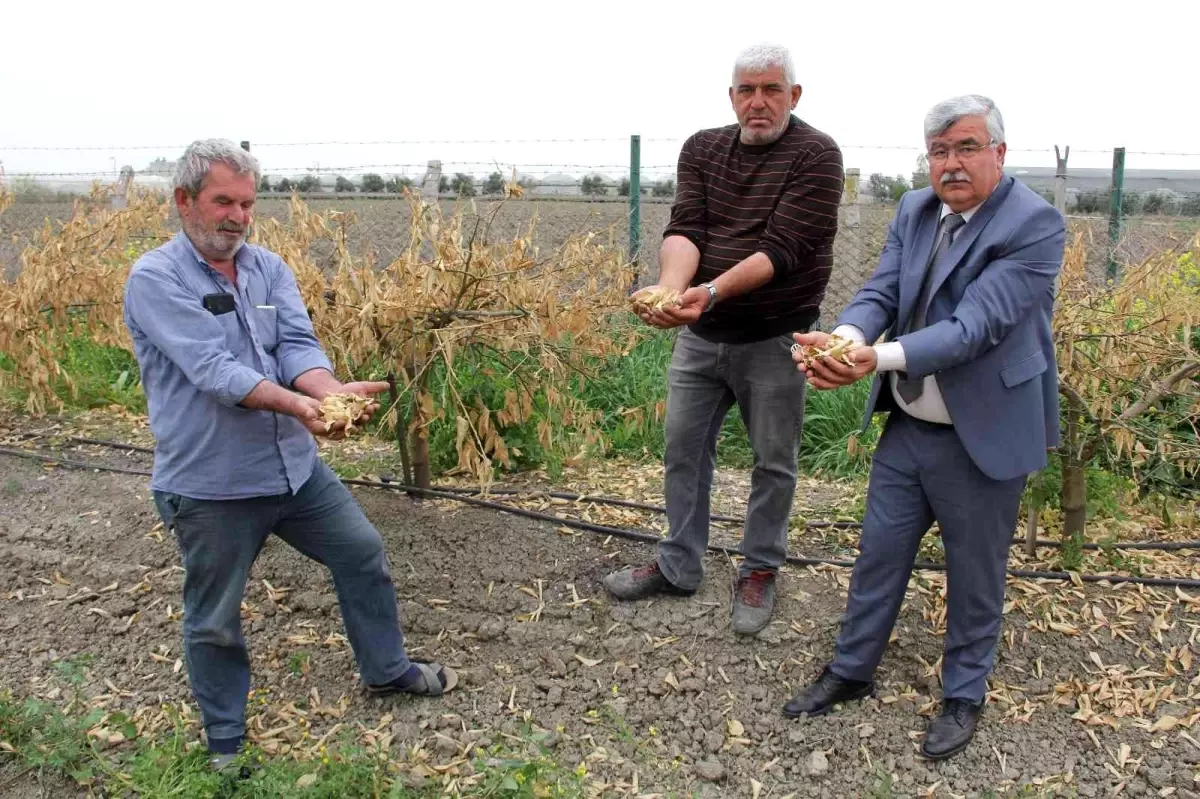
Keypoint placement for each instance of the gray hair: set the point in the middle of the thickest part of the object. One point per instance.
(199, 157)
(946, 113)
(761, 57)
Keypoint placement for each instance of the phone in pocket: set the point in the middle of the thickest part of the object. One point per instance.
(218, 304)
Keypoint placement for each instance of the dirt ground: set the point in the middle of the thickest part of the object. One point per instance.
(1094, 692)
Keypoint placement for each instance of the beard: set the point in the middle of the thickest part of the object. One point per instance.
(219, 242)
(749, 136)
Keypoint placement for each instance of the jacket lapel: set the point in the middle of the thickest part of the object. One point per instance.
(969, 232)
(915, 259)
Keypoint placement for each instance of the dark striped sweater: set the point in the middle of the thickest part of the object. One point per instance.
(780, 199)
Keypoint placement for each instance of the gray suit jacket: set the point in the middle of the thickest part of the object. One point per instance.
(988, 339)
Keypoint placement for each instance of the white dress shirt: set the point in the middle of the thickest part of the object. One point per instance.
(890, 355)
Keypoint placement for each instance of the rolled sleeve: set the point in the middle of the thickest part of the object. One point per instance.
(299, 350)
(292, 366)
(171, 318)
(238, 386)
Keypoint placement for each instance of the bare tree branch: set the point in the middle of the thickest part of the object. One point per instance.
(1160, 390)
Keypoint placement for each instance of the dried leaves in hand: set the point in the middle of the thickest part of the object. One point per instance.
(836, 347)
(656, 297)
(342, 408)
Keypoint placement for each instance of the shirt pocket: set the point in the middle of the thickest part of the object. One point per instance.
(233, 329)
(266, 326)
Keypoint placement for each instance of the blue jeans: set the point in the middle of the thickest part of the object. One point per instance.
(704, 382)
(220, 540)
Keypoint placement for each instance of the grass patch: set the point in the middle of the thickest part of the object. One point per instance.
(632, 394)
(103, 376)
(41, 738)
(628, 392)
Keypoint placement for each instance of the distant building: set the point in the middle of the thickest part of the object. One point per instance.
(1181, 181)
(152, 181)
(161, 167)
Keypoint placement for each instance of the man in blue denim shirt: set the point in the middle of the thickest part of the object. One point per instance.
(234, 376)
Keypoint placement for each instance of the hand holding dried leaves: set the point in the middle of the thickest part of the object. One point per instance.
(656, 297)
(345, 409)
(836, 347)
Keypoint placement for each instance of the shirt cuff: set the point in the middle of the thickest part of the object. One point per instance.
(850, 332)
(240, 383)
(889, 357)
(294, 365)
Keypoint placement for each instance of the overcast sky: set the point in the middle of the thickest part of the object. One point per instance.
(120, 74)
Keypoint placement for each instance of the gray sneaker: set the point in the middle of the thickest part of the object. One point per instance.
(222, 763)
(227, 766)
(753, 601)
(639, 582)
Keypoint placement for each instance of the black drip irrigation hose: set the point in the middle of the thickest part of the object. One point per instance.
(635, 535)
(111, 444)
(1161, 546)
(513, 492)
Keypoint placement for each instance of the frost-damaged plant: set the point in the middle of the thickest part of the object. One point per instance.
(451, 295)
(1128, 362)
(71, 283)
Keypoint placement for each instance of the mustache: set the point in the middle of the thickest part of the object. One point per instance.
(955, 176)
(230, 227)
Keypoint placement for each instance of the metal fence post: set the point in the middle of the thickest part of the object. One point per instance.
(635, 203)
(1115, 202)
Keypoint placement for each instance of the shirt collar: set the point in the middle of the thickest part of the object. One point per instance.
(966, 215)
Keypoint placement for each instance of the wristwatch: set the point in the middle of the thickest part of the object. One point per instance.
(712, 296)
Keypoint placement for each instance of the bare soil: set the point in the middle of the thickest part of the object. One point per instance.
(658, 694)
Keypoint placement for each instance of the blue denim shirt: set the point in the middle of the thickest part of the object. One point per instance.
(196, 367)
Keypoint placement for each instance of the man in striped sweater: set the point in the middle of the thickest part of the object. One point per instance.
(750, 248)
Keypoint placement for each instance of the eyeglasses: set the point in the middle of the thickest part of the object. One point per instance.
(964, 152)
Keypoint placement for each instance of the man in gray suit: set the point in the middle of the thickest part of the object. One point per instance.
(965, 286)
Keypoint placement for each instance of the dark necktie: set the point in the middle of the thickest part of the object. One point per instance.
(910, 390)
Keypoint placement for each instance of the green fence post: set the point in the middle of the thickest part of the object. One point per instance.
(1115, 201)
(635, 202)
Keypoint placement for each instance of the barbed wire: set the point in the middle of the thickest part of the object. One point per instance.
(609, 140)
(329, 143)
(498, 166)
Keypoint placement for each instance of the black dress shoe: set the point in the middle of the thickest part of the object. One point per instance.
(829, 690)
(952, 730)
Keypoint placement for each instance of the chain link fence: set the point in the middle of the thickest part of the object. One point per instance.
(378, 227)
